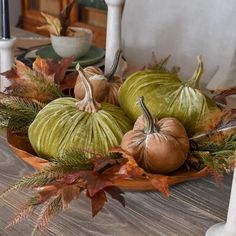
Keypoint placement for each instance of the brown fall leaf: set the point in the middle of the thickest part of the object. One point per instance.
(160, 182)
(102, 162)
(97, 201)
(68, 83)
(69, 193)
(131, 167)
(221, 94)
(43, 82)
(95, 181)
(49, 68)
(116, 194)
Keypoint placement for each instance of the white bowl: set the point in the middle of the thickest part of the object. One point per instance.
(76, 45)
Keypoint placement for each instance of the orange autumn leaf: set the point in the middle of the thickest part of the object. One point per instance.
(160, 182)
(42, 82)
(131, 167)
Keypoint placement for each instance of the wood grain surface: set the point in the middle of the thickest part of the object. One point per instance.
(190, 210)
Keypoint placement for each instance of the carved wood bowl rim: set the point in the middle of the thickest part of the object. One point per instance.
(22, 148)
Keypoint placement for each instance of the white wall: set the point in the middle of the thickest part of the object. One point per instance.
(185, 29)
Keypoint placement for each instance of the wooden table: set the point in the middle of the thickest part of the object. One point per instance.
(190, 210)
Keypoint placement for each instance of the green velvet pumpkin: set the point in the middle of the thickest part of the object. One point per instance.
(67, 123)
(167, 96)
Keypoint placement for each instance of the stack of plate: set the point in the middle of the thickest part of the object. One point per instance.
(95, 56)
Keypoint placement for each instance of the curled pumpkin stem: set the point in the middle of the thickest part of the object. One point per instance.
(150, 124)
(88, 103)
(114, 66)
(194, 81)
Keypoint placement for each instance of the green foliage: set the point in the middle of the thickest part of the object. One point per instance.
(219, 156)
(18, 113)
(69, 161)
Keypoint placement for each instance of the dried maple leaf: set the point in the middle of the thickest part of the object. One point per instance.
(97, 201)
(103, 162)
(131, 167)
(49, 68)
(96, 182)
(68, 83)
(221, 94)
(42, 82)
(116, 194)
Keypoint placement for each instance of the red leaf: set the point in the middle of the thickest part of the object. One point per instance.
(71, 178)
(69, 193)
(116, 194)
(160, 182)
(69, 81)
(95, 181)
(97, 202)
(101, 162)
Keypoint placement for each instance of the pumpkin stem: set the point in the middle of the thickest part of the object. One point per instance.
(150, 129)
(88, 103)
(114, 66)
(194, 81)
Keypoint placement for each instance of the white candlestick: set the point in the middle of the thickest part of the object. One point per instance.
(6, 60)
(228, 228)
(113, 37)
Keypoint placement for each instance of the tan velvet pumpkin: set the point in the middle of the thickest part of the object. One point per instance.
(158, 146)
(105, 87)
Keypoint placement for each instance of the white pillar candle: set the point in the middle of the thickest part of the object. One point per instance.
(228, 228)
(113, 37)
(6, 60)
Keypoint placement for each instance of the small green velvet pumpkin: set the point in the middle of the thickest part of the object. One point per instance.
(167, 96)
(69, 123)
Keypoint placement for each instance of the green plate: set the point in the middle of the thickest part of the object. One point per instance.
(93, 56)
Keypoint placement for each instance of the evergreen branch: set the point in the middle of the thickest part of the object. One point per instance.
(45, 86)
(24, 212)
(18, 113)
(52, 208)
(68, 162)
(219, 156)
(72, 160)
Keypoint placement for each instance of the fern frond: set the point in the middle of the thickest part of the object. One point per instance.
(52, 208)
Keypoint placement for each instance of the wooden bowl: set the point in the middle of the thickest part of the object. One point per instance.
(22, 148)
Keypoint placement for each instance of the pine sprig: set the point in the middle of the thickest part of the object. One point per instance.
(18, 113)
(45, 85)
(24, 212)
(68, 162)
(219, 156)
(50, 209)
